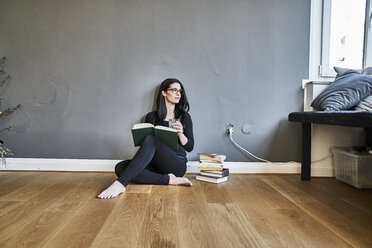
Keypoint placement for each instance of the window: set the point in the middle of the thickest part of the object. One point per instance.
(340, 36)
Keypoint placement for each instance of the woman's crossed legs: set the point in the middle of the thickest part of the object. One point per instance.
(154, 163)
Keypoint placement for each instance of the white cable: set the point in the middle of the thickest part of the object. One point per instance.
(328, 156)
(264, 160)
(241, 148)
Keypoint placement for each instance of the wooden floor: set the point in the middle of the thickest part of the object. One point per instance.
(56, 209)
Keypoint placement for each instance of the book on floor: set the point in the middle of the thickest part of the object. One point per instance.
(211, 179)
(212, 157)
(210, 168)
(223, 173)
(166, 134)
(210, 164)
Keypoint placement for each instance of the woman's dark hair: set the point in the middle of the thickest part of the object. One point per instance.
(181, 107)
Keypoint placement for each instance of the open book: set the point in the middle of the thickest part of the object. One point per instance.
(167, 134)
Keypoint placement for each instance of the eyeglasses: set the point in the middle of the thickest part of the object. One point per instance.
(174, 90)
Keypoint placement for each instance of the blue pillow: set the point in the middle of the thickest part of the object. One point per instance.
(345, 92)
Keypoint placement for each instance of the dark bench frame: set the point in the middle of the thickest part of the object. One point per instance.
(361, 119)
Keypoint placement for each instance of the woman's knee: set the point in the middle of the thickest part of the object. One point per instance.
(180, 173)
(120, 167)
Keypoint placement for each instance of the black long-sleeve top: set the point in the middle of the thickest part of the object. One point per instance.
(187, 131)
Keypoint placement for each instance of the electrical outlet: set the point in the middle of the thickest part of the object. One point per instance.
(230, 128)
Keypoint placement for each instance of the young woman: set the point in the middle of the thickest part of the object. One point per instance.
(155, 162)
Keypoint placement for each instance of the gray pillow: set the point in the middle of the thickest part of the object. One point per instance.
(345, 92)
(341, 71)
(365, 105)
(367, 71)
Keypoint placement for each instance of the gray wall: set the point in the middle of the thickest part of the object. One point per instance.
(86, 71)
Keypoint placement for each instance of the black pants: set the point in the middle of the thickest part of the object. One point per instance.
(151, 164)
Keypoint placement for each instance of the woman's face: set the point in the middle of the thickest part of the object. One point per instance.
(173, 93)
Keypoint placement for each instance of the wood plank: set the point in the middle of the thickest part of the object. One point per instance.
(17, 181)
(235, 227)
(361, 199)
(24, 213)
(313, 233)
(278, 220)
(255, 193)
(223, 223)
(287, 216)
(273, 230)
(86, 222)
(33, 234)
(196, 227)
(213, 193)
(354, 235)
(10, 176)
(44, 226)
(4, 174)
(32, 188)
(6, 206)
(160, 227)
(123, 225)
(192, 194)
(320, 189)
(138, 188)
(87, 186)
(257, 200)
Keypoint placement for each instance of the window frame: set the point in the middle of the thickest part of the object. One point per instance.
(324, 70)
(319, 40)
(368, 34)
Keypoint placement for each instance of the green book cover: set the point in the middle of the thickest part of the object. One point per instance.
(168, 135)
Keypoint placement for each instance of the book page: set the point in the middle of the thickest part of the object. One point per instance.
(166, 128)
(142, 125)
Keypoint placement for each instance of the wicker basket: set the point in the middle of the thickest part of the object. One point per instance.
(353, 167)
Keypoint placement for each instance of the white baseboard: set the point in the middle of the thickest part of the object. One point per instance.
(50, 164)
(44, 164)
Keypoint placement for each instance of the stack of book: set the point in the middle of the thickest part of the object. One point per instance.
(211, 168)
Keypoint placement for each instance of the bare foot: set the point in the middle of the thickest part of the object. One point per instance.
(113, 191)
(173, 180)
